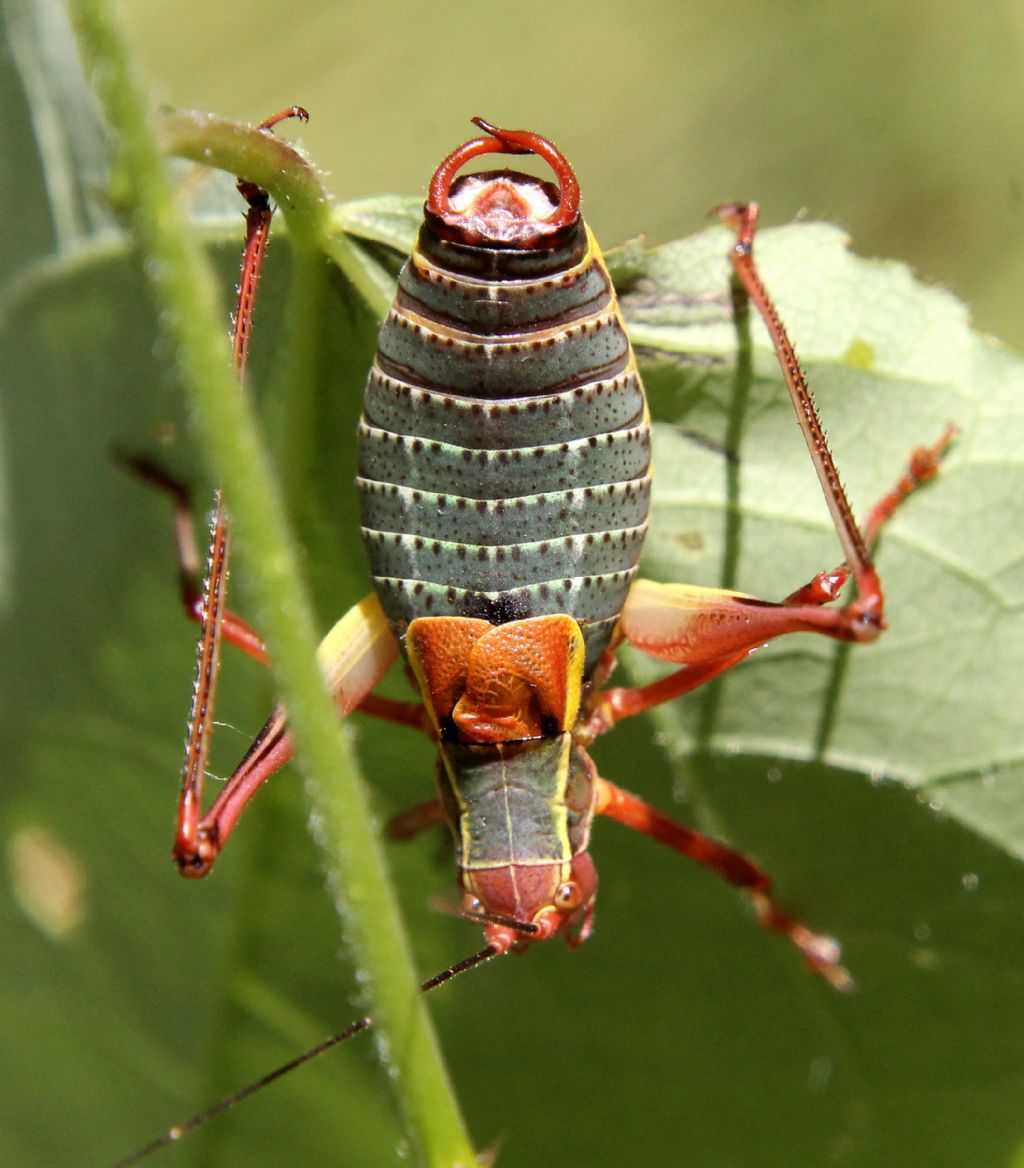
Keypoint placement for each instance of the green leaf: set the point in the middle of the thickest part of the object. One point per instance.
(880, 785)
(890, 362)
(51, 138)
(389, 220)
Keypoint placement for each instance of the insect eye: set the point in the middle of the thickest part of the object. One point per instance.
(567, 896)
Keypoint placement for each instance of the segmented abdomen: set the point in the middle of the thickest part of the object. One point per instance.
(504, 445)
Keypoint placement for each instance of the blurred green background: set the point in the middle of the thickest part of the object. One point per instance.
(900, 122)
(680, 1033)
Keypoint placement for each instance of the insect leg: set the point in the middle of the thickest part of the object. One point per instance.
(192, 831)
(272, 748)
(407, 824)
(867, 609)
(234, 629)
(709, 630)
(862, 619)
(354, 656)
(820, 952)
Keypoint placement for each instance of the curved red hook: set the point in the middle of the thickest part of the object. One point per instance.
(501, 141)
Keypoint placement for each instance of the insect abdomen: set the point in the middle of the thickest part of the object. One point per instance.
(504, 447)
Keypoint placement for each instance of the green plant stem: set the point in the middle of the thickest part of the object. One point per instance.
(294, 182)
(187, 295)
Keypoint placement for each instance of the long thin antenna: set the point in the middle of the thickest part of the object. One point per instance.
(180, 1130)
(527, 928)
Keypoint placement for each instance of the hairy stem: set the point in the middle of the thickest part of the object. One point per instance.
(188, 300)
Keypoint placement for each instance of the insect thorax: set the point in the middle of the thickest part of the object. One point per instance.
(517, 802)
